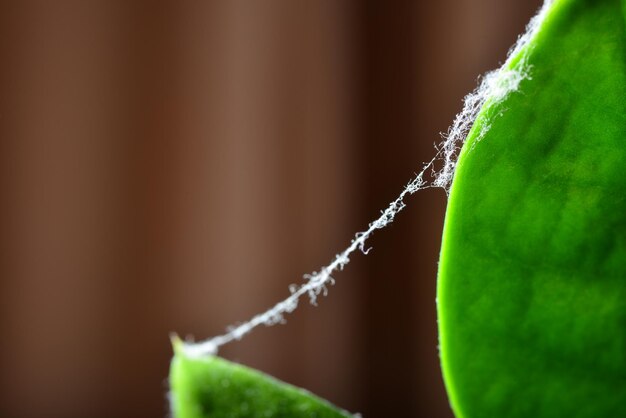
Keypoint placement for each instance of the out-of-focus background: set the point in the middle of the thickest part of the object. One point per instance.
(175, 166)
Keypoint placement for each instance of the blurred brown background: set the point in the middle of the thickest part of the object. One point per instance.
(174, 166)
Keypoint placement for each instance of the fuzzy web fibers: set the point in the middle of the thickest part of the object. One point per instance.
(493, 88)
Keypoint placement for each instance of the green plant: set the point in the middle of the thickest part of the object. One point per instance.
(208, 386)
(532, 279)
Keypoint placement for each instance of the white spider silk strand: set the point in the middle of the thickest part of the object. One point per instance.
(494, 87)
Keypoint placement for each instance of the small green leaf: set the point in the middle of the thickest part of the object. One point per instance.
(211, 387)
(532, 280)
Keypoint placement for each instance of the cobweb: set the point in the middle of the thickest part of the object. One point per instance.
(493, 88)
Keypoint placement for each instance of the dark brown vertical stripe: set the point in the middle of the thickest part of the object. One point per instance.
(149, 163)
(390, 71)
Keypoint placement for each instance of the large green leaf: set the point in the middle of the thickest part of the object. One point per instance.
(211, 387)
(532, 281)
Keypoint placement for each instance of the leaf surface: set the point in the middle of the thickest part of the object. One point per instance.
(532, 279)
(211, 387)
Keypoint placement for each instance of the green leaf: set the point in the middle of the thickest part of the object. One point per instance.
(211, 387)
(532, 280)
